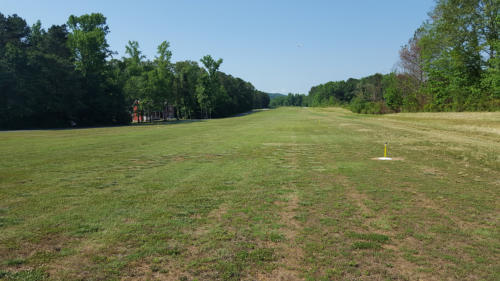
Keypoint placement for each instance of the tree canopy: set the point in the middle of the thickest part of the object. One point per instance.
(450, 64)
(66, 76)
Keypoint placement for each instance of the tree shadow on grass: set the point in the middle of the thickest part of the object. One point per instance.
(154, 123)
(165, 122)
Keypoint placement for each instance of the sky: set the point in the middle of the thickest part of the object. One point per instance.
(278, 46)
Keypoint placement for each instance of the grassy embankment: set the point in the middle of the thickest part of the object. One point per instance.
(287, 194)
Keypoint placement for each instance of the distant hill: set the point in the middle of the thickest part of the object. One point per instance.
(274, 95)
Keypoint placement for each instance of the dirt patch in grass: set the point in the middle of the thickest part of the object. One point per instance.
(422, 201)
(291, 253)
(356, 196)
(75, 266)
(346, 124)
(432, 171)
(40, 251)
(217, 213)
(286, 144)
(364, 130)
(152, 271)
(399, 266)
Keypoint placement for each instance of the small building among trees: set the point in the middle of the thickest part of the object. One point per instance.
(141, 115)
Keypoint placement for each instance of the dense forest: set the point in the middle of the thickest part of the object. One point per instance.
(450, 64)
(67, 76)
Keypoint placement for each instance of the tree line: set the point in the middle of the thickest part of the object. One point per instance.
(289, 100)
(450, 64)
(67, 76)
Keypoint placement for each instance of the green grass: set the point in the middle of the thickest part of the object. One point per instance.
(291, 193)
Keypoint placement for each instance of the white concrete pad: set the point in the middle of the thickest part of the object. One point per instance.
(384, 158)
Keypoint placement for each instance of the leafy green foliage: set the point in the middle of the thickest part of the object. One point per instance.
(64, 76)
(290, 100)
(458, 49)
(261, 100)
(450, 64)
(333, 93)
(57, 78)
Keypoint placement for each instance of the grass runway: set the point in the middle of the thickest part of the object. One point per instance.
(285, 194)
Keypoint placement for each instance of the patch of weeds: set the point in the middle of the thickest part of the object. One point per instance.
(443, 229)
(43, 256)
(368, 216)
(155, 268)
(157, 260)
(302, 216)
(382, 224)
(365, 245)
(348, 213)
(330, 274)
(283, 191)
(232, 269)
(172, 251)
(14, 262)
(451, 258)
(375, 237)
(305, 203)
(425, 269)
(276, 237)
(100, 259)
(328, 221)
(353, 264)
(483, 232)
(8, 221)
(3, 222)
(222, 235)
(85, 229)
(422, 236)
(410, 257)
(242, 255)
(25, 275)
(480, 259)
(262, 255)
(229, 270)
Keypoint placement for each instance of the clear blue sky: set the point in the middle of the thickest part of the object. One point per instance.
(278, 46)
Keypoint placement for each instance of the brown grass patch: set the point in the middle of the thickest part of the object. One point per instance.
(400, 266)
(291, 252)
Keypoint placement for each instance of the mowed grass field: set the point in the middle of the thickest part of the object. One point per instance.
(285, 194)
